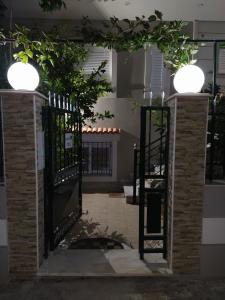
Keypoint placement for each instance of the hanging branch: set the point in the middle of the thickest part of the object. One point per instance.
(121, 35)
(51, 5)
(127, 35)
(131, 35)
(60, 63)
(60, 69)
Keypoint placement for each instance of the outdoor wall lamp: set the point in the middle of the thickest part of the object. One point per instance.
(189, 79)
(23, 76)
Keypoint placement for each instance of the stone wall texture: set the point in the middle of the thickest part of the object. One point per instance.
(40, 180)
(186, 187)
(170, 180)
(21, 183)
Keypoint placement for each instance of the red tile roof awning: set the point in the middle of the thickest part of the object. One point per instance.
(101, 130)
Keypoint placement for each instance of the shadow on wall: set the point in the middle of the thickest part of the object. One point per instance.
(127, 118)
(124, 168)
(130, 73)
(125, 157)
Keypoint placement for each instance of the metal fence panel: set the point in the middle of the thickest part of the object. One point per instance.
(63, 168)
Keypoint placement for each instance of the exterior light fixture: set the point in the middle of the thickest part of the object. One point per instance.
(189, 79)
(23, 76)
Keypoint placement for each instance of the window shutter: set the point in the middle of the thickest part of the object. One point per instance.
(95, 57)
(159, 75)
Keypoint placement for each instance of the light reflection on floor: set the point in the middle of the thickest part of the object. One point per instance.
(107, 216)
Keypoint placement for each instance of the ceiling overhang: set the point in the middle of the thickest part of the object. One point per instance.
(103, 9)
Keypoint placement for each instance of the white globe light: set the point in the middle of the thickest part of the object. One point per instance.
(23, 76)
(189, 79)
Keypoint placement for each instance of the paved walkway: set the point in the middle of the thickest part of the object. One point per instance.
(95, 262)
(108, 215)
(154, 288)
(115, 217)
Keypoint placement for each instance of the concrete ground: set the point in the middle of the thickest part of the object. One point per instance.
(99, 262)
(108, 215)
(153, 288)
(113, 215)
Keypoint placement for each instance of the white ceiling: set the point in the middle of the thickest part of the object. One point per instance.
(188, 10)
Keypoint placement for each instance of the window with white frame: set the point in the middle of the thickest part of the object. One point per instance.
(96, 55)
(157, 80)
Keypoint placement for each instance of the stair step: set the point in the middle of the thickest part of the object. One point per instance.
(128, 193)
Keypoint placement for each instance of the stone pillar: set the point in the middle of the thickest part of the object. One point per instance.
(188, 131)
(23, 153)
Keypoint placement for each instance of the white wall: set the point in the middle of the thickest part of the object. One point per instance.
(3, 236)
(127, 118)
(213, 231)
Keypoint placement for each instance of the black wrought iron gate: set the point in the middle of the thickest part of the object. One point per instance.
(153, 177)
(63, 168)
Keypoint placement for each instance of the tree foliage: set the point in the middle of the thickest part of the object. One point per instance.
(60, 63)
(60, 68)
(131, 35)
(51, 5)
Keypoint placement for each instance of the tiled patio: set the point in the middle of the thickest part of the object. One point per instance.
(115, 218)
(106, 215)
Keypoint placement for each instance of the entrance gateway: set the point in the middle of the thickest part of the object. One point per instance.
(24, 184)
(63, 174)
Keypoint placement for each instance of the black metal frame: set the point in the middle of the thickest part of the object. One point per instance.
(216, 140)
(63, 167)
(135, 173)
(1, 150)
(149, 197)
(212, 152)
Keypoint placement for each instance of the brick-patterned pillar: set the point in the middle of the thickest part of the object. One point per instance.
(23, 149)
(186, 180)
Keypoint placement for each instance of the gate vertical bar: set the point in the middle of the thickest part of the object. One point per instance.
(48, 179)
(212, 129)
(51, 171)
(80, 160)
(135, 175)
(142, 182)
(165, 213)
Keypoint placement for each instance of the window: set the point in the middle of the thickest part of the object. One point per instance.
(97, 158)
(158, 79)
(96, 56)
(141, 74)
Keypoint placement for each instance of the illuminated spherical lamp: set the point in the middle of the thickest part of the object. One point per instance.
(23, 76)
(189, 79)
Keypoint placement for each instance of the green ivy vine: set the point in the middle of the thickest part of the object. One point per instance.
(60, 63)
(131, 35)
